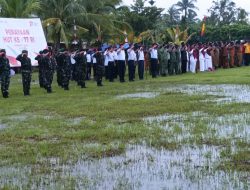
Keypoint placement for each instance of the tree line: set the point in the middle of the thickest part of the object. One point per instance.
(111, 21)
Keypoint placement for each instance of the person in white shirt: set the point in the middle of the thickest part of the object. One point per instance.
(154, 59)
(111, 63)
(94, 61)
(89, 65)
(106, 62)
(116, 64)
(141, 60)
(121, 60)
(131, 63)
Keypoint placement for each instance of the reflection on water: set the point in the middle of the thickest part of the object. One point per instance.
(140, 168)
(139, 95)
(228, 92)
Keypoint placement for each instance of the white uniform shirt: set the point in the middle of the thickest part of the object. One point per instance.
(141, 55)
(72, 58)
(121, 55)
(154, 53)
(88, 56)
(131, 55)
(93, 58)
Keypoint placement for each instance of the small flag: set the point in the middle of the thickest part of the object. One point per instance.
(203, 28)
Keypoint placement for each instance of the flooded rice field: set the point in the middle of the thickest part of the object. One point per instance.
(205, 142)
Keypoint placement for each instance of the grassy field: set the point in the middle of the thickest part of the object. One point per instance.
(99, 137)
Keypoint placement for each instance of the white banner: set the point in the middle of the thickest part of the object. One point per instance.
(21, 34)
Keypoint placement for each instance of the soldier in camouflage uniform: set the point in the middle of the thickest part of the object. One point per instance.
(63, 69)
(99, 67)
(81, 67)
(26, 69)
(48, 63)
(40, 68)
(163, 58)
(172, 61)
(4, 73)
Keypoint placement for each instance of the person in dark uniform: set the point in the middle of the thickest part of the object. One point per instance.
(99, 66)
(184, 58)
(48, 63)
(81, 67)
(26, 69)
(40, 68)
(63, 69)
(4, 73)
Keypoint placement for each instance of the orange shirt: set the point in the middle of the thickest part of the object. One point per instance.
(247, 48)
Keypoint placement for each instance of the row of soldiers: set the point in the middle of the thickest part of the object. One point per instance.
(164, 60)
(5, 72)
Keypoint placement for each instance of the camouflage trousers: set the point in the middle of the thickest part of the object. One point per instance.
(81, 72)
(26, 79)
(47, 79)
(5, 83)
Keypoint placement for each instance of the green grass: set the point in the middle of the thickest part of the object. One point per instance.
(42, 126)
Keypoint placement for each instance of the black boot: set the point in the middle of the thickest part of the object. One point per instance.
(5, 94)
(49, 90)
(83, 85)
(66, 88)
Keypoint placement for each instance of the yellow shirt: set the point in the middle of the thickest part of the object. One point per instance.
(247, 48)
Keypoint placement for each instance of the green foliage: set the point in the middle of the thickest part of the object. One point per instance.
(19, 8)
(221, 33)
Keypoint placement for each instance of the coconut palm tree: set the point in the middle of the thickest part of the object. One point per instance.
(185, 6)
(19, 8)
(177, 36)
(59, 17)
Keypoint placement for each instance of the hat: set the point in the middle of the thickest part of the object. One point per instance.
(2, 51)
(45, 51)
(24, 51)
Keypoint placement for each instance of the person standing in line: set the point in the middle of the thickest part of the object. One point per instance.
(4, 73)
(89, 65)
(116, 62)
(99, 66)
(231, 50)
(48, 63)
(202, 59)
(40, 68)
(121, 61)
(131, 63)
(81, 67)
(106, 62)
(154, 59)
(184, 57)
(64, 64)
(247, 53)
(26, 69)
(141, 59)
(94, 62)
(111, 63)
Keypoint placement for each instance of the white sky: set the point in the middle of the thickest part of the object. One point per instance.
(203, 5)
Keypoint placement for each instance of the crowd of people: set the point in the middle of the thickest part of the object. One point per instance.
(159, 60)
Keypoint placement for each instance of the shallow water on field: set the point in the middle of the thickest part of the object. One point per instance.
(3, 126)
(139, 95)
(228, 92)
(139, 168)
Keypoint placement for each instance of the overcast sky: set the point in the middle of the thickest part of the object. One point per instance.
(203, 5)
